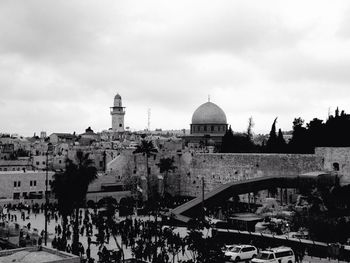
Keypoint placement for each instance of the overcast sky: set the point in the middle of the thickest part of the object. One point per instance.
(62, 62)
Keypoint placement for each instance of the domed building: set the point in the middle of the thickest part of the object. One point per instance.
(209, 125)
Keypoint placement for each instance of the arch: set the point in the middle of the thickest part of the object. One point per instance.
(107, 200)
(90, 204)
(335, 166)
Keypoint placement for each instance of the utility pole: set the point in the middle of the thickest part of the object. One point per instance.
(46, 189)
(203, 197)
(46, 194)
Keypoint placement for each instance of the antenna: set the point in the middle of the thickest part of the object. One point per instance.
(149, 119)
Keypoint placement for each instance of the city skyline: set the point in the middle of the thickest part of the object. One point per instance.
(63, 62)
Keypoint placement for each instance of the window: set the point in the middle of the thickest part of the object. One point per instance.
(212, 128)
(335, 166)
(43, 163)
(19, 184)
(120, 125)
(246, 249)
(37, 163)
(284, 254)
(59, 161)
(31, 183)
(205, 128)
(14, 184)
(34, 183)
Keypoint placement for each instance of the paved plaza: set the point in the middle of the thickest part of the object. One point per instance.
(37, 221)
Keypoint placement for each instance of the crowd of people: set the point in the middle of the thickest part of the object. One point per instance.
(144, 239)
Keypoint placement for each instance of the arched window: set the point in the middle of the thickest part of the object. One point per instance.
(335, 166)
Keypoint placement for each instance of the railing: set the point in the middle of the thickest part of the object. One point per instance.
(261, 240)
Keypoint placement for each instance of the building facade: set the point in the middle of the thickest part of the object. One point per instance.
(24, 184)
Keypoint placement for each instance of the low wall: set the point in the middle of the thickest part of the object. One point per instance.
(313, 248)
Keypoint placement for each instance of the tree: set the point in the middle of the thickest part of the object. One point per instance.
(202, 249)
(281, 143)
(316, 132)
(238, 142)
(227, 141)
(112, 224)
(70, 188)
(300, 141)
(250, 129)
(165, 166)
(147, 149)
(271, 145)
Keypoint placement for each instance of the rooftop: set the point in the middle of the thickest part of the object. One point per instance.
(34, 255)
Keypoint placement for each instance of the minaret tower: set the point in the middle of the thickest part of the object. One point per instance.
(117, 112)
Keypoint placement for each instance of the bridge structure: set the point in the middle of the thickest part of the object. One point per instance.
(194, 208)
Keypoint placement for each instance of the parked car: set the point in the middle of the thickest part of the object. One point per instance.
(275, 255)
(240, 252)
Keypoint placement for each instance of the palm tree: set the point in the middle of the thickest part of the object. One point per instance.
(147, 149)
(165, 166)
(112, 225)
(70, 188)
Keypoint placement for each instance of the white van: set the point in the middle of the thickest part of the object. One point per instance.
(275, 255)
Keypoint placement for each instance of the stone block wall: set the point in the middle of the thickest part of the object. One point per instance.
(334, 158)
(217, 169)
(223, 168)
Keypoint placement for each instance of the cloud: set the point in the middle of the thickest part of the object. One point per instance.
(62, 62)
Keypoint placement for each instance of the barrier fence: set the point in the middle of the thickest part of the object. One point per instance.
(300, 247)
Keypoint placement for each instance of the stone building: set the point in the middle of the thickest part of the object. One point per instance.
(23, 184)
(117, 112)
(208, 126)
(62, 137)
(336, 160)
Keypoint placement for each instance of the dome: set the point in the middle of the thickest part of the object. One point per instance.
(117, 96)
(209, 113)
(211, 142)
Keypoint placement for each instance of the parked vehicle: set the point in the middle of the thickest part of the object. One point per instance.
(275, 255)
(240, 252)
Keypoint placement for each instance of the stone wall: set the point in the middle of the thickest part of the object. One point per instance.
(216, 168)
(223, 168)
(336, 157)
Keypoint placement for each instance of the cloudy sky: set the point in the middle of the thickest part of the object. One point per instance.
(62, 62)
